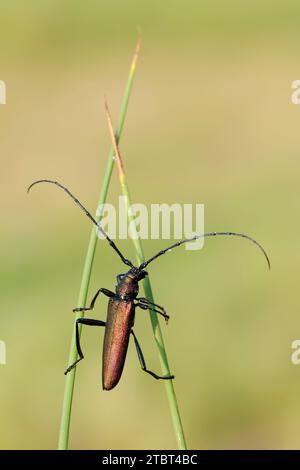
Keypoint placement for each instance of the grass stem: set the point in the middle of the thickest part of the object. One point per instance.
(173, 404)
(64, 431)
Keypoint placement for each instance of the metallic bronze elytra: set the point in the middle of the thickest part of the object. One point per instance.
(122, 303)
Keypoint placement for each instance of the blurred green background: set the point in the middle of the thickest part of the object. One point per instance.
(210, 121)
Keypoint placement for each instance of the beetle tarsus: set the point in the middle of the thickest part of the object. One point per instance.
(102, 290)
(72, 366)
(158, 377)
(145, 304)
(81, 309)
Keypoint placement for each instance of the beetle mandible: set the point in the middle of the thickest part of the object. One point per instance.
(122, 304)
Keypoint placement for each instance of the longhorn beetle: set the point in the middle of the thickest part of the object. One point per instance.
(122, 303)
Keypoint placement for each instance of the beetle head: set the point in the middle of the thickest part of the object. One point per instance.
(133, 273)
(137, 273)
(128, 283)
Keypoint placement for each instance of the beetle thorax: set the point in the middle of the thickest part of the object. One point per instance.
(128, 286)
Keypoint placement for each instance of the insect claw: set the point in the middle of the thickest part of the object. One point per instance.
(78, 309)
(81, 309)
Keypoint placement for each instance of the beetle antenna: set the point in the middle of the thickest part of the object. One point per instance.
(209, 234)
(89, 215)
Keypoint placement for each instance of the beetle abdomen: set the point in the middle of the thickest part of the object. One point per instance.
(120, 317)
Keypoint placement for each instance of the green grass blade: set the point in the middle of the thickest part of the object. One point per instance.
(173, 404)
(64, 431)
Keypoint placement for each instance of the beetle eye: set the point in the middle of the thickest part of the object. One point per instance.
(143, 274)
(120, 277)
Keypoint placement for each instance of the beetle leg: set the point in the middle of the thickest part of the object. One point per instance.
(144, 300)
(145, 304)
(143, 363)
(106, 292)
(82, 321)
